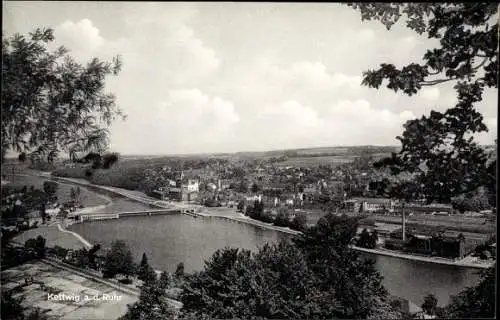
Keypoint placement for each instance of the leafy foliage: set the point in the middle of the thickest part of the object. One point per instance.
(38, 245)
(152, 305)
(50, 188)
(257, 212)
(179, 270)
(430, 304)
(11, 307)
(347, 277)
(241, 205)
(283, 218)
(59, 252)
(438, 150)
(119, 260)
(299, 222)
(145, 272)
(109, 159)
(367, 239)
(14, 256)
(255, 188)
(80, 258)
(50, 102)
(21, 157)
(166, 280)
(315, 276)
(472, 201)
(474, 302)
(273, 283)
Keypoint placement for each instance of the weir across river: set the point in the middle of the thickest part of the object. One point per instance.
(118, 215)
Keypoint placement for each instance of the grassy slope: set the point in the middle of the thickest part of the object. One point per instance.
(87, 198)
(52, 235)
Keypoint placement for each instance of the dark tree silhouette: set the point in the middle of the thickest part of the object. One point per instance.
(51, 103)
(119, 260)
(437, 149)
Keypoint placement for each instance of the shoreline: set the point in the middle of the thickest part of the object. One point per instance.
(263, 225)
(436, 260)
(143, 199)
(76, 235)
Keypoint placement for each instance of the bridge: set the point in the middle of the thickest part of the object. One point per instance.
(118, 215)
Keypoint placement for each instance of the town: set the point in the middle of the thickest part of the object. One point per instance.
(241, 160)
(280, 189)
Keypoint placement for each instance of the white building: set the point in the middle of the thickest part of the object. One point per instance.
(254, 198)
(211, 186)
(193, 186)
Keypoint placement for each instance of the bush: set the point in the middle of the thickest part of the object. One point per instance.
(125, 281)
(37, 245)
(241, 205)
(174, 293)
(80, 258)
(77, 172)
(179, 271)
(13, 256)
(109, 159)
(42, 166)
(119, 260)
(299, 223)
(282, 219)
(50, 188)
(60, 252)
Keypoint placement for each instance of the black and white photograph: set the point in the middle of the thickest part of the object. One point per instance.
(248, 160)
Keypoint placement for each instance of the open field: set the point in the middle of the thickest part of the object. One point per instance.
(52, 235)
(87, 198)
(453, 222)
(315, 161)
(120, 204)
(49, 279)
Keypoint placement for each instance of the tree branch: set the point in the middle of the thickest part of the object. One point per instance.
(434, 73)
(481, 64)
(434, 82)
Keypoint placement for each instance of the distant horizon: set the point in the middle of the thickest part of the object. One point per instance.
(235, 152)
(243, 151)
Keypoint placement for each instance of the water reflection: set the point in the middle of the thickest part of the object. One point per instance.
(415, 279)
(170, 239)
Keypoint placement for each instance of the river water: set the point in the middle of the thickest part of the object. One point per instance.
(170, 239)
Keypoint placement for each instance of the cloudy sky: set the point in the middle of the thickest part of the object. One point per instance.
(224, 77)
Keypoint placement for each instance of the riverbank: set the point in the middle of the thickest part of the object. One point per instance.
(238, 217)
(465, 262)
(140, 197)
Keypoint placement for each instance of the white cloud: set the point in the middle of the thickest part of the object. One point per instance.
(291, 112)
(82, 37)
(490, 136)
(313, 75)
(366, 34)
(163, 42)
(266, 75)
(431, 94)
(186, 120)
(193, 108)
(292, 124)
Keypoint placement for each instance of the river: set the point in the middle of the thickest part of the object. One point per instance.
(170, 239)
